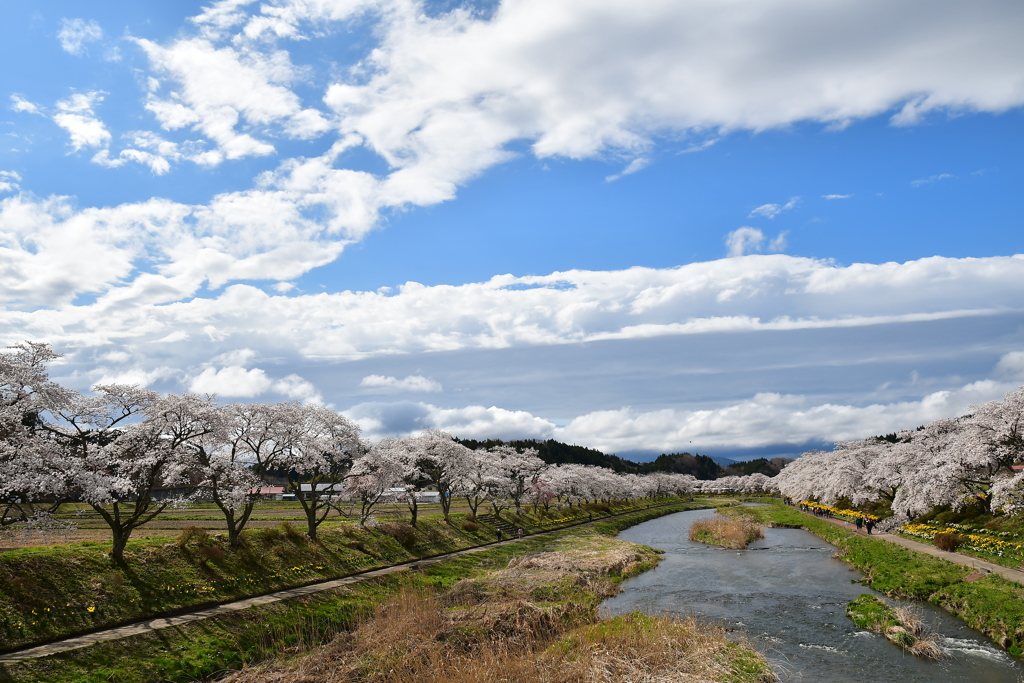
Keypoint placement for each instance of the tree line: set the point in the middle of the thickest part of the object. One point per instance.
(130, 453)
(968, 460)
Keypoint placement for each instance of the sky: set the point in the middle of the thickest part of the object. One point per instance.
(742, 228)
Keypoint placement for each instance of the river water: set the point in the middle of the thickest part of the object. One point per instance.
(787, 594)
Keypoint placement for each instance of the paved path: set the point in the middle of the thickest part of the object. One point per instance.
(982, 566)
(166, 622)
(958, 558)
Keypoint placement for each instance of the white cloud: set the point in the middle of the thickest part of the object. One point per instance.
(836, 196)
(1012, 365)
(441, 98)
(931, 179)
(298, 389)
(231, 381)
(9, 181)
(766, 419)
(224, 88)
(236, 381)
(637, 164)
(744, 241)
(773, 210)
(412, 383)
(76, 116)
(753, 293)
(778, 243)
(75, 33)
(21, 105)
(470, 422)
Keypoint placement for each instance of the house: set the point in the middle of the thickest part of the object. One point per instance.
(269, 492)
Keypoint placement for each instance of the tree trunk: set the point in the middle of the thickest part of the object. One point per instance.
(120, 537)
(413, 507)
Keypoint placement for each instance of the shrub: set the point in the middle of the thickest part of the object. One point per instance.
(293, 534)
(403, 532)
(212, 553)
(269, 535)
(948, 541)
(470, 527)
(193, 535)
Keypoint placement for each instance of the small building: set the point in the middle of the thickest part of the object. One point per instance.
(270, 492)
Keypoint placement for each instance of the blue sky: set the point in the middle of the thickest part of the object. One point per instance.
(739, 229)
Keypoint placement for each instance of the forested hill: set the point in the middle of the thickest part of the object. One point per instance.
(703, 467)
(700, 466)
(558, 453)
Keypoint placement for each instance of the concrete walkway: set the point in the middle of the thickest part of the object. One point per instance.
(980, 566)
(139, 628)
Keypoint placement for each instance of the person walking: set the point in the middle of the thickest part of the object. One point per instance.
(869, 525)
(520, 533)
(499, 534)
(860, 523)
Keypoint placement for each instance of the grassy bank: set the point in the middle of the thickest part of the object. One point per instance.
(733, 532)
(201, 649)
(52, 592)
(991, 604)
(532, 620)
(898, 625)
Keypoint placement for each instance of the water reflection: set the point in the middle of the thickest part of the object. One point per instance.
(786, 592)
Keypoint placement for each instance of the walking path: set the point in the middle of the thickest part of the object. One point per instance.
(166, 622)
(982, 566)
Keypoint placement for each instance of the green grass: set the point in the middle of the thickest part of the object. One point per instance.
(57, 591)
(202, 649)
(888, 568)
(991, 605)
(870, 613)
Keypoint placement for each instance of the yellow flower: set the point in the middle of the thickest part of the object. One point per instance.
(91, 608)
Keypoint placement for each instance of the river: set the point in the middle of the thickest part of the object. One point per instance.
(787, 594)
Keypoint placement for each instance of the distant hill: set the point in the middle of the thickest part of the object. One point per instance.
(706, 467)
(700, 466)
(558, 453)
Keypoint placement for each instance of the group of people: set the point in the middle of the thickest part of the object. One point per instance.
(865, 523)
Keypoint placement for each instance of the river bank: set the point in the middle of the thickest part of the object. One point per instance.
(789, 594)
(532, 620)
(989, 604)
(197, 651)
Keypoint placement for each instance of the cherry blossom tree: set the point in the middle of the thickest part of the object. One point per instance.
(320, 459)
(373, 475)
(255, 439)
(125, 444)
(515, 472)
(441, 460)
(31, 462)
(479, 479)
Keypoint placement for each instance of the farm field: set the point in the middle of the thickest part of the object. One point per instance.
(88, 527)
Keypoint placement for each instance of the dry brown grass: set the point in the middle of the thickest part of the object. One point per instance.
(728, 532)
(416, 638)
(529, 621)
(926, 642)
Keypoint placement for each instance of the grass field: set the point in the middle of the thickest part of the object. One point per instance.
(56, 591)
(201, 649)
(88, 527)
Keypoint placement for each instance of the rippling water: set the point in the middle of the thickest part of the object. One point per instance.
(789, 595)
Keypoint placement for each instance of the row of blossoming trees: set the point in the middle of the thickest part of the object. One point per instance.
(954, 462)
(123, 448)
